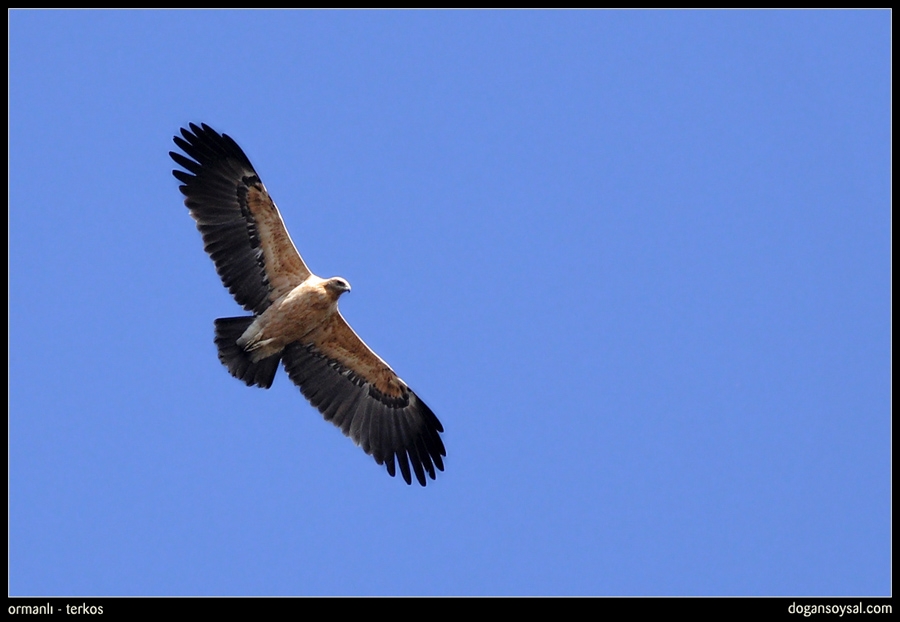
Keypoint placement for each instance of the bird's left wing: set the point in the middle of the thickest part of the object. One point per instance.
(241, 227)
(358, 392)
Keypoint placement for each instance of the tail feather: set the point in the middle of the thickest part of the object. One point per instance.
(238, 361)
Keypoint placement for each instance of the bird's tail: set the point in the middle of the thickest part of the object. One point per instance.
(238, 361)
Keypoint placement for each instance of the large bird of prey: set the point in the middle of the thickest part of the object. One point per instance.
(295, 316)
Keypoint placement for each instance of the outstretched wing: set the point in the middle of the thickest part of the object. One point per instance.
(241, 227)
(358, 392)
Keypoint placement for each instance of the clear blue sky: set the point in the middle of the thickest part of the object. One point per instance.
(638, 263)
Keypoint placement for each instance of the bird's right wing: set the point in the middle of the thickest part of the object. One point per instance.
(241, 227)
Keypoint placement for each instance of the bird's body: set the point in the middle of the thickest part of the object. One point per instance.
(295, 318)
(290, 318)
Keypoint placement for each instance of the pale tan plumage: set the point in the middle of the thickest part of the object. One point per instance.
(295, 316)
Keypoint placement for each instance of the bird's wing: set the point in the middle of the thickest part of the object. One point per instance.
(358, 392)
(241, 227)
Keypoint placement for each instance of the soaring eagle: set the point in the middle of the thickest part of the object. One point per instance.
(295, 316)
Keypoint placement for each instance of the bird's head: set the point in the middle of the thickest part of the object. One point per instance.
(337, 286)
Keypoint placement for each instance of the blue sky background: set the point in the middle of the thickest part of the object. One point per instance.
(637, 262)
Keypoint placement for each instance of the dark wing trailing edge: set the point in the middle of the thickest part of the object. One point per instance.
(384, 427)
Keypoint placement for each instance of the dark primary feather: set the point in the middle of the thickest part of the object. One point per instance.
(387, 429)
(215, 189)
